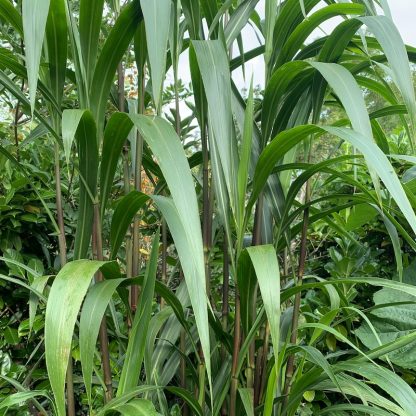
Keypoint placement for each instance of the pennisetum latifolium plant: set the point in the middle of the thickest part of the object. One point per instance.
(234, 202)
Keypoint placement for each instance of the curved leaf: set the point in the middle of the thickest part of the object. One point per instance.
(113, 50)
(11, 15)
(138, 407)
(115, 134)
(80, 124)
(375, 158)
(137, 338)
(66, 295)
(182, 215)
(92, 313)
(265, 264)
(238, 20)
(390, 40)
(123, 215)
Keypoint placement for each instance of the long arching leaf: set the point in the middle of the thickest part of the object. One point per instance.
(90, 21)
(183, 217)
(156, 15)
(34, 15)
(113, 50)
(137, 338)
(56, 47)
(115, 134)
(92, 313)
(79, 124)
(123, 215)
(67, 293)
(374, 157)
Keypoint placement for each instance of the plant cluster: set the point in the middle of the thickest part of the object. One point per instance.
(194, 249)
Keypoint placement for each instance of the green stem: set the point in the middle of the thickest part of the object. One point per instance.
(201, 383)
(290, 367)
(206, 209)
(225, 305)
(236, 350)
(103, 335)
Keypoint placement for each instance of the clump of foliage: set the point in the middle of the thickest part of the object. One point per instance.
(192, 250)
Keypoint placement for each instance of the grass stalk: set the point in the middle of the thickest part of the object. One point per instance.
(126, 177)
(103, 335)
(236, 351)
(206, 208)
(290, 367)
(261, 384)
(225, 304)
(134, 292)
(225, 285)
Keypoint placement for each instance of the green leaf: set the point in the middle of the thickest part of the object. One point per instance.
(138, 407)
(187, 397)
(21, 397)
(75, 42)
(347, 90)
(246, 280)
(225, 7)
(391, 323)
(27, 175)
(9, 14)
(183, 217)
(388, 381)
(115, 134)
(17, 93)
(115, 403)
(191, 10)
(90, 21)
(80, 123)
(66, 295)
(386, 8)
(92, 313)
(238, 20)
(247, 397)
(265, 264)
(123, 215)
(137, 338)
(140, 48)
(392, 44)
(360, 215)
(362, 391)
(159, 320)
(70, 123)
(270, 21)
(375, 158)
(111, 54)
(11, 336)
(300, 34)
(38, 284)
(276, 89)
(210, 10)
(56, 47)
(245, 153)
(157, 15)
(361, 408)
(34, 15)
(213, 64)
(22, 284)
